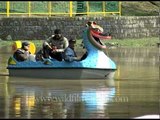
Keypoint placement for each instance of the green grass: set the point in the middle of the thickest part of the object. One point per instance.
(140, 8)
(143, 42)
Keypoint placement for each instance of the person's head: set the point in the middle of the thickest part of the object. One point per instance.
(57, 33)
(25, 45)
(72, 43)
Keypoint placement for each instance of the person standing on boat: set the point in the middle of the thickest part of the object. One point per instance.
(23, 53)
(55, 45)
(69, 53)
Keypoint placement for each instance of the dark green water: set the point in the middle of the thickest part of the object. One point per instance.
(134, 92)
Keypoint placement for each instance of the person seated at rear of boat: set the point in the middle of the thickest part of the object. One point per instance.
(23, 53)
(69, 53)
(55, 45)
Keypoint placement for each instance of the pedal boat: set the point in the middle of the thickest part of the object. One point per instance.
(97, 64)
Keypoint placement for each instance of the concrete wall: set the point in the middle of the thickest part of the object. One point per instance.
(41, 28)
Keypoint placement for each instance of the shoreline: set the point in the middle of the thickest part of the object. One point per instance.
(141, 42)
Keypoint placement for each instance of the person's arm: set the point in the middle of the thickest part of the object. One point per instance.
(66, 43)
(47, 43)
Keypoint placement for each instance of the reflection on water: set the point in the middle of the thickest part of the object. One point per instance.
(134, 91)
(135, 56)
(26, 98)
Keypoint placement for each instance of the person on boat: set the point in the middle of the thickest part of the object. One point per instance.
(70, 54)
(23, 53)
(40, 55)
(55, 45)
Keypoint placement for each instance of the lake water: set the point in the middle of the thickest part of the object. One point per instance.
(134, 91)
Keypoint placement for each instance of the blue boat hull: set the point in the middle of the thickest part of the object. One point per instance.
(62, 73)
